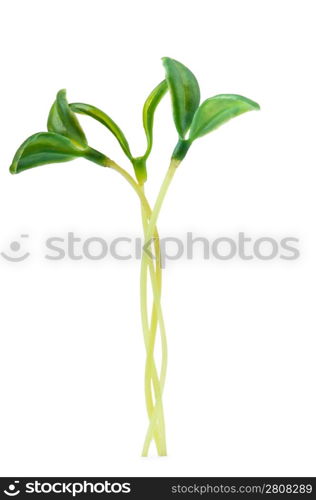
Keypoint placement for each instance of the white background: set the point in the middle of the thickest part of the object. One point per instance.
(240, 393)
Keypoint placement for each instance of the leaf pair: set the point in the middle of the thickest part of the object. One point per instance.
(151, 103)
(189, 116)
(64, 141)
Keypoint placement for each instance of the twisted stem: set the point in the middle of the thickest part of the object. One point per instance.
(156, 428)
(146, 262)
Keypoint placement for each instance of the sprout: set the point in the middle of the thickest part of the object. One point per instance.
(65, 140)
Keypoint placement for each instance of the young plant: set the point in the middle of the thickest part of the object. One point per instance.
(65, 141)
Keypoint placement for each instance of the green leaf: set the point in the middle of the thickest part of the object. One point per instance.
(100, 116)
(48, 147)
(62, 120)
(149, 109)
(185, 94)
(218, 110)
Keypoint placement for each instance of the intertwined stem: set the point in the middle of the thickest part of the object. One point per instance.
(147, 263)
(156, 427)
(157, 430)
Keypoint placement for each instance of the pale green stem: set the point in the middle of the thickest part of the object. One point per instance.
(155, 275)
(157, 418)
(145, 262)
(152, 333)
(156, 283)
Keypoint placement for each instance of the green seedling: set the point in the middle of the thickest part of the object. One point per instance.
(65, 141)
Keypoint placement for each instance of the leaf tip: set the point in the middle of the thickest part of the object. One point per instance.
(166, 60)
(255, 105)
(61, 93)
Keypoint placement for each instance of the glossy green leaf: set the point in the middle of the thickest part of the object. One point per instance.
(218, 110)
(48, 147)
(149, 109)
(185, 94)
(62, 120)
(100, 116)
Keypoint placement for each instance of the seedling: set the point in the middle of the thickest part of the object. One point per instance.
(65, 141)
